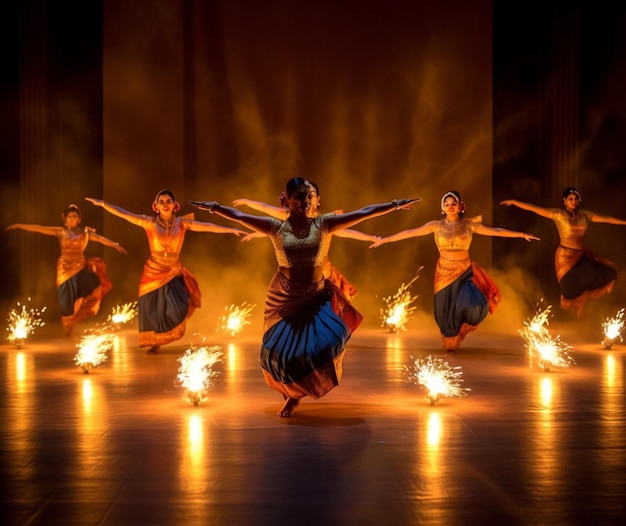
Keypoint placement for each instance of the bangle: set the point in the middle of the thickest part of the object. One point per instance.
(116, 244)
(213, 207)
(395, 204)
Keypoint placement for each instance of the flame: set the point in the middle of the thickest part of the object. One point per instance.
(121, 314)
(196, 374)
(399, 307)
(93, 346)
(22, 322)
(236, 318)
(612, 329)
(437, 376)
(542, 347)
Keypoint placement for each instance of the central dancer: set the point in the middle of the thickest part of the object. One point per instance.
(307, 319)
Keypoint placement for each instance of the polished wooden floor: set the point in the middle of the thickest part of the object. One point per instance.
(122, 446)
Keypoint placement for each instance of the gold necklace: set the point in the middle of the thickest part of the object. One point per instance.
(168, 229)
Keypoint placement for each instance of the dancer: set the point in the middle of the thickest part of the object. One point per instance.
(582, 275)
(81, 283)
(282, 212)
(168, 292)
(308, 320)
(464, 292)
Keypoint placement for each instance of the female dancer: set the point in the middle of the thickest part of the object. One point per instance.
(581, 274)
(81, 283)
(168, 292)
(308, 320)
(464, 292)
(282, 212)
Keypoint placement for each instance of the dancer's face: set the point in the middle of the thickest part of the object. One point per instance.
(451, 207)
(300, 201)
(72, 220)
(165, 206)
(571, 202)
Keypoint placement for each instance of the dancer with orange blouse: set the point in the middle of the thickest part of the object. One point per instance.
(81, 283)
(168, 292)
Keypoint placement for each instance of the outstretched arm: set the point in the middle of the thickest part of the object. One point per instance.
(118, 211)
(106, 242)
(342, 221)
(595, 218)
(200, 226)
(272, 211)
(355, 234)
(256, 223)
(47, 230)
(540, 211)
(423, 230)
(503, 232)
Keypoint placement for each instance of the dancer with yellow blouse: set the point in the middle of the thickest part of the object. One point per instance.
(464, 292)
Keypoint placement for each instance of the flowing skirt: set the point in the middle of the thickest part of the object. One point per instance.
(336, 277)
(306, 332)
(464, 295)
(582, 275)
(80, 296)
(163, 311)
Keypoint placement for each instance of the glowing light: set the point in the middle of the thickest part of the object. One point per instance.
(612, 329)
(121, 314)
(543, 348)
(196, 374)
(399, 307)
(93, 346)
(437, 376)
(235, 319)
(22, 323)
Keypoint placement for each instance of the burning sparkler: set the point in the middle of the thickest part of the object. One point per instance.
(612, 328)
(547, 350)
(122, 314)
(22, 322)
(437, 376)
(399, 307)
(235, 319)
(93, 346)
(196, 374)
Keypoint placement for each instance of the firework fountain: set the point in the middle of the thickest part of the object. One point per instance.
(235, 319)
(399, 307)
(93, 346)
(437, 377)
(22, 322)
(612, 329)
(196, 374)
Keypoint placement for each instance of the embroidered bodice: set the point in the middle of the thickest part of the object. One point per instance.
(301, 249)
(455, 235)
(570, 229)
(166, 241)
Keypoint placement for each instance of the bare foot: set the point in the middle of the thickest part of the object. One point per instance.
(289, 407)
(153, 350)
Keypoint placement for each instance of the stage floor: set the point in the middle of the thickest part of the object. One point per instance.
(122, 446)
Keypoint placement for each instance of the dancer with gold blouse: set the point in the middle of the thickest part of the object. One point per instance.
(307, 319)
(81, 282)
(582, 274)
(464, 292)
(168, 292)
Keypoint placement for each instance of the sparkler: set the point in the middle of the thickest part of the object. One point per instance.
(612, 328)
(196, 374)
(22, 322)
(399, 307)
(437, 376)
(235, 319)
(123, 313)
(547, 350)
(93, 346)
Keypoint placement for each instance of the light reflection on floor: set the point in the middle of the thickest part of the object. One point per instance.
(121, 445)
